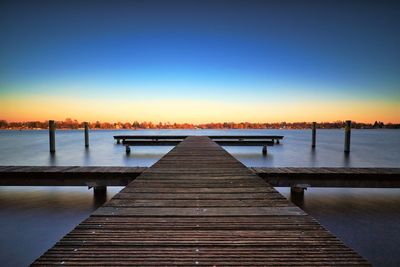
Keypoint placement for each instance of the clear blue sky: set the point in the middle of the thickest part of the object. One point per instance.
(221, 52)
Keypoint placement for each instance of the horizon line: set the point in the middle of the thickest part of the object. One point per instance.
(165, 123)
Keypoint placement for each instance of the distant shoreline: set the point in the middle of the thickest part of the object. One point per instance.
(70, 124)
(197, 129)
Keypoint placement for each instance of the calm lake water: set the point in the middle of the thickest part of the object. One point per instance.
(32, 219)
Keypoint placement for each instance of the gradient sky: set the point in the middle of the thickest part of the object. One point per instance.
(200, 61)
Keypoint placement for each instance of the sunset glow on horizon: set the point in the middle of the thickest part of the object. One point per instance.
(201, 111)
(200, 61)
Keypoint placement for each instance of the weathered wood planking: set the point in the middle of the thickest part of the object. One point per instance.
(332, 177)
(121, 176)
(201, 208)
(172, 140)
(67, 175)
(216, 137)
(163, 142)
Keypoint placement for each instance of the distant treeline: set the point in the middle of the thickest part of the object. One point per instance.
(74, 124)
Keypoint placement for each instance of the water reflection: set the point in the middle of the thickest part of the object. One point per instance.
(52, 159)
(313, 156)
(346, 160)
(86, 157)
(32, 219)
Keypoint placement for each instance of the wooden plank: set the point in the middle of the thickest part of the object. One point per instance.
(67, 175)
(197, 203)
(164, 142)
(226, 196)
(213, 137)
(218, 169)
(200, 211)
(332, 177)
(199, 206)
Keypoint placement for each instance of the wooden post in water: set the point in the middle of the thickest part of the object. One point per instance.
(52, 136)
(86, 134)
(100, 194)
(347, 134)
(297, 191)
(99, 190)
(314, 134)
(297, 195)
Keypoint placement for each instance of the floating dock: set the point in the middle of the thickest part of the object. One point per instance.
(198, 205)
(224, 140)
(274, 138)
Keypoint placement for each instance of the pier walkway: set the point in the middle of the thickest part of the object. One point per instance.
(224, 140)
(216, 138)
(68, 175)
(122, 176)
(198, 205)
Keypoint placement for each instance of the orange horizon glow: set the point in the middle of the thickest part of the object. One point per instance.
(192, 111)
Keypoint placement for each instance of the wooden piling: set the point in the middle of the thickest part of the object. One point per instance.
(100, 190)
(347, 135)
(298, 190)
(314, 134)
(52, 136)
(297, 194)
(86, 125)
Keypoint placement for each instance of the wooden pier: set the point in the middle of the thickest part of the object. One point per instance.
(68, 175)
(93, 176)
(273, 138)
(122, 176)
(331, 177)
(224, 140)
(199, 206)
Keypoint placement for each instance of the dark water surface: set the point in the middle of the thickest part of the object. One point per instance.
(32, 219)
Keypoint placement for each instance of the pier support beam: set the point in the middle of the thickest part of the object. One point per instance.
(297, 194)
(314, 134)
(297, 190)
(99, 190)
(264, 150)
(118, 141)
(86, 125)
(347, 135)
(52, 136)
(128, 150)
(277, 141)
(100, 195)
